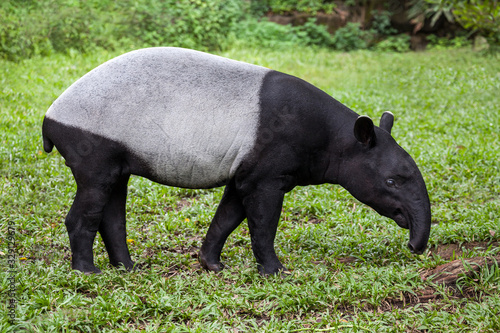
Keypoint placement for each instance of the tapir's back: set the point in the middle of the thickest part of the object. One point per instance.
(191, 116)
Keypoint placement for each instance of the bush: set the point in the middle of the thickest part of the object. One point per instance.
(22, 38)
(441, 43)
(482, 16)
(313, 34)
(41, 27)
(381, 24)
(29, 27)
(398, 43)
(351, 37)
(265, 34)
(193, 24)
(288, 6)
(269, 34)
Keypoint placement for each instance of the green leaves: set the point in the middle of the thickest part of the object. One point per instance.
(483, 15)
(40, 28)
(289, 6)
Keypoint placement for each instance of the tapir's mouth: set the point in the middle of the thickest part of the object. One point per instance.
(401, 220)
(418, 236)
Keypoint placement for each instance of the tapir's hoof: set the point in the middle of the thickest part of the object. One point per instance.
(282, 271)
(135, 267)
(285, 273)
(214, 266)
(129, 267)
(87, 270)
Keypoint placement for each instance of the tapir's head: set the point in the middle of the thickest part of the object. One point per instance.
(379, 173)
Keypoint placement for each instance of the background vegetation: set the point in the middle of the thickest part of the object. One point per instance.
(351, 270)
(42, 27)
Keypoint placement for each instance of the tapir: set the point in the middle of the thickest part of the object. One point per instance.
(190, 119)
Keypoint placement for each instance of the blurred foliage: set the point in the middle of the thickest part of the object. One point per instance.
(352, 37)
(266, 34)
(442, 43)
(41, 27)
(269, 34)
(482, 16)
(288, 6)
(313, 34)
(420, 10)
(397, 43)
(381, 23)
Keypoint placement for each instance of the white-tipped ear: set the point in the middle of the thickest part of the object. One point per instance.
(386, 121)
(364, 131)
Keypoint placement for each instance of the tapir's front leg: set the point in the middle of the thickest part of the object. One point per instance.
(263, 207)
(228, 216)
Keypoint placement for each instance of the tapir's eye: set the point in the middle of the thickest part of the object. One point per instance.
(390, 182)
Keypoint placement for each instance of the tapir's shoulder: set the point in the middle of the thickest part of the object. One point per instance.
(291, 88)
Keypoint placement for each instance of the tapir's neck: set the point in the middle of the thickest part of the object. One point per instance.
(340, 120)
(327, 161)
(309, 122)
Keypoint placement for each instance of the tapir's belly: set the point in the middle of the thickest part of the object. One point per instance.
(189, 116)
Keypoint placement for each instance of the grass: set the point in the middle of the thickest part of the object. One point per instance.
(351, 271)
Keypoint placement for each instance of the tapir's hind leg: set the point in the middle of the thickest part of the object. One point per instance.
(228, 216)
(82, 224)
(113, 225)
(95, 181)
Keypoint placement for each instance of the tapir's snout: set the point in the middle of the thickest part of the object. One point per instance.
(416, 218)
(418, 243)
(419, 233)
(418, 223)
(420, 229)
(415, 249)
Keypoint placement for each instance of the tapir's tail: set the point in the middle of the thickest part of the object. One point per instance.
(47, 144)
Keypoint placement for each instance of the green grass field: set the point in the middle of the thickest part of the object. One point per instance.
(350, 268)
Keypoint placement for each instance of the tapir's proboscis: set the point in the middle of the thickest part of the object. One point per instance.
(190, 119)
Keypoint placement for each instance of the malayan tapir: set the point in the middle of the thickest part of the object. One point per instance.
(190, 119)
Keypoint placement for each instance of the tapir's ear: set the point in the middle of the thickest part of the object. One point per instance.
(386, 121)
(364, 131)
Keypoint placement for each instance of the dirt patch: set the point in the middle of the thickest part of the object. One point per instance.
(446, 275)
(429, 295)
(178, 206)
(447, 251)
(346, 260)
(174, 270)
(314, 221)
(406, 299)
(191, 250)
(449, 273)
(183, 203)
(454, 251)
